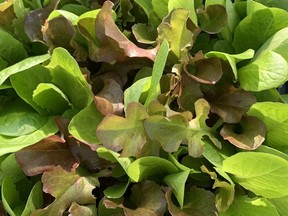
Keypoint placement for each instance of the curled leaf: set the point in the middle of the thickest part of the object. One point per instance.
(36, 19)
(115, 46)
(249, 134)
(207, 71)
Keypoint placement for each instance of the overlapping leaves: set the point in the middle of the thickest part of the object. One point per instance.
(141, 107)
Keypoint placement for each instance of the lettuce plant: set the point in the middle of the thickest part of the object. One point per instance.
(143, 107)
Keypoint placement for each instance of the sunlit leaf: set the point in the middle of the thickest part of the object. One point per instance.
(67, 188)
(263, 171)
(126, 134)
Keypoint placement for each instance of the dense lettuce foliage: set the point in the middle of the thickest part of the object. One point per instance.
(143, 107)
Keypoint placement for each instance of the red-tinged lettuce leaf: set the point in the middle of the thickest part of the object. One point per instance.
(197, 202)
(76, 210)
(110, 99)
(248, 134)
(2, 210)
(126, 134)
(178, 30)
(189, 92)
(85, 153)
(36, 19)
(45, 156)
(207, 71)
(103, 211)
(115, 46)
(213, 19)
(160, 128)
(67, 188)
(146, 199)
(58, 32)
(231, 103)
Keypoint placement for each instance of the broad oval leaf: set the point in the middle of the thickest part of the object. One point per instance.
(277, 43)
(263, 174)
(269, 70)
(249, 206)
(18, 119)
(258, 27)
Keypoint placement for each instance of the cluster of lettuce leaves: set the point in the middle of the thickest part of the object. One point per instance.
(143, 107)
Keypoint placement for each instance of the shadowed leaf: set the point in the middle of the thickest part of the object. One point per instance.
(213, 19)
(35, 20)
(231, 103)
(197, 201)
(45, 156)
(58, 32)
(146, 198)
(189, 92)
(207, 71)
